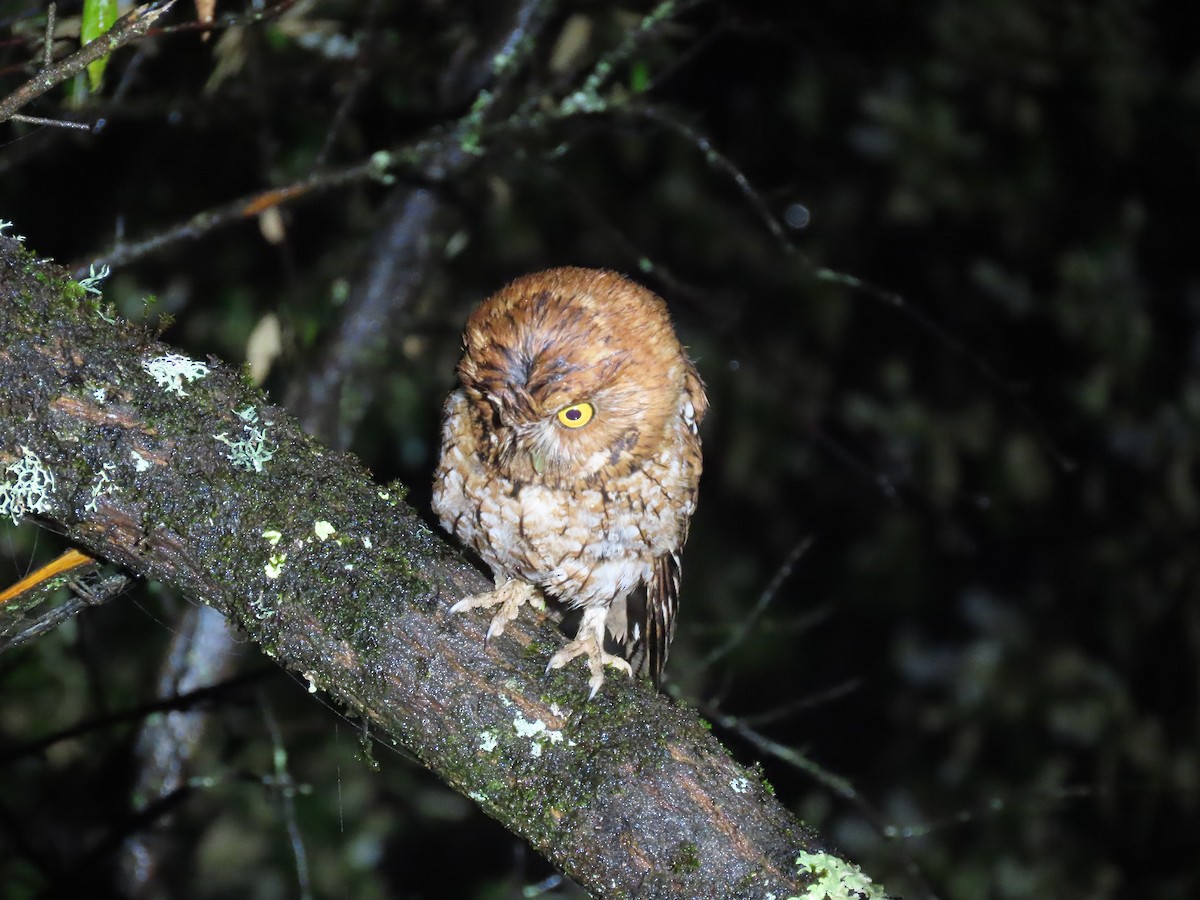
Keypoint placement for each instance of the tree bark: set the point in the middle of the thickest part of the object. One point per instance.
(181, 472)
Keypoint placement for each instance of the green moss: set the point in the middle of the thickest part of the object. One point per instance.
(685, 858)
(73, 290)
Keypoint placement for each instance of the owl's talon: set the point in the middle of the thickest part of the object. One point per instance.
(509, 596)
(589, 642)
(497, 625)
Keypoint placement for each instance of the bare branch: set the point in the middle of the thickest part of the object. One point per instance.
(131, 26)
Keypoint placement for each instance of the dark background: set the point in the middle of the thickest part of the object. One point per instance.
(950, 460)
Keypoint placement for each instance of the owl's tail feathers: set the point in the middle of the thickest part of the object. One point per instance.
(652, 618)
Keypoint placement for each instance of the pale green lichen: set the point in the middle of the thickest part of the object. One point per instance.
(381, 161)
(836, 879)
(323, 530)
(171, 370)
(273, 536)
(582, 102)
(331, 45)
(539, 734)
(488, 741)
(740, 785)
(91, 284)
(274, 566)
(260, 609)
(140, 463)
(102, 487)
(251, 453)
(472, 124)
(28, 490)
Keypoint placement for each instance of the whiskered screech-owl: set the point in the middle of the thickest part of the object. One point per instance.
(570, 459)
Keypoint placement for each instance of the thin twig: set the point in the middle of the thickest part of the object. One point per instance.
(530, 18)
(56, 123)
(185, 701)
(886, 486)
(809, 701)
(836, 784)
(48, 46)
(283, 782)
(248, 207)
(131, 26)
(764, 600)
(721, 163)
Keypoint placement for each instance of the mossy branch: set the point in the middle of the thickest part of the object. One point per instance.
(182, 472)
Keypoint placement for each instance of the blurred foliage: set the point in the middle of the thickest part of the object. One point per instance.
(994, 450)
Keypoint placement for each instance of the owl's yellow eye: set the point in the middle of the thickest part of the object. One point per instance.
(576, 415)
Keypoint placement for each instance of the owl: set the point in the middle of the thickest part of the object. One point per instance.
(570, 460)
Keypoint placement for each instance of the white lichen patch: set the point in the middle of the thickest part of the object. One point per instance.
(4, 224)
(274, 566)
(28, 489)
(140, 463)
(171, 370)
(478, 796)
(366, 542)
(102, 487)
(739, 785)
(488, 741)
(323, 530)
(538, 732)
(312, 682)
(836, 879)
(251, 453)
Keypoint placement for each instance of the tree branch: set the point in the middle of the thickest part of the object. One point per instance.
(131, 26)
(179, 471)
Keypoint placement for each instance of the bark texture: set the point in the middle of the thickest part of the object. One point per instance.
(183, 473)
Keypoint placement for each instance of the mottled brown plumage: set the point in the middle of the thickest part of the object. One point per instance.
(570, 459)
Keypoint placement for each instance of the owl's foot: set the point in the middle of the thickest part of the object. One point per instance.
(589, 642)
(509, 596)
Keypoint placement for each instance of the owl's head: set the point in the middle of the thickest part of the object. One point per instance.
(573, 375)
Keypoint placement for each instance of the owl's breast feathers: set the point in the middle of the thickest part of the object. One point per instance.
(566, 539)
(594, 514)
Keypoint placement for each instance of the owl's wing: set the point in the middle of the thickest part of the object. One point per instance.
(651, 609)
